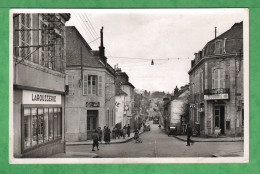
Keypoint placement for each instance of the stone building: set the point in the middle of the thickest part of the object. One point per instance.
(38, 84)
(91, 100)
(216, 85)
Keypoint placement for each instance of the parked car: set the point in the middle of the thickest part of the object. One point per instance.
(172, 130)
(147, 127)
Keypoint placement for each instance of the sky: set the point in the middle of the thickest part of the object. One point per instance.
(169, 37)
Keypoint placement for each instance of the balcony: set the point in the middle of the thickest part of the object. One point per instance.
(216, 94)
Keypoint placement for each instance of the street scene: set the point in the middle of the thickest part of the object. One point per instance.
(95, 83)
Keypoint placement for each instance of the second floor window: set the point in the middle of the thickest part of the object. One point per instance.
(25, 35)
(218, 79)
(92, 85)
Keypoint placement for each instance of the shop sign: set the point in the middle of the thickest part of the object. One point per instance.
(92, 104)
(216, 97)
(33, 97)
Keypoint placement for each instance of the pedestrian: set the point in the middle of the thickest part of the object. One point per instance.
(128, 130)
(105, 132)
(114, 133)
(108, 135)
(124, 131)
(189, 134)
(95, 140)
(100, 135)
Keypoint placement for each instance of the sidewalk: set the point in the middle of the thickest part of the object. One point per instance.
(75, 155)
(113, 141)
(218, 139)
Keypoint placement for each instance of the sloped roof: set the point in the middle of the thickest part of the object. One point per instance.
(235, 32)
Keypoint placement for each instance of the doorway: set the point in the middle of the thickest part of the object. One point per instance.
(219, 113)
(92, 122)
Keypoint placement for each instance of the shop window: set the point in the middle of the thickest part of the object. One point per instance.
(46, 123)
(59, 123)
(55, 123)
(34, 126)
(41, 125)
(51, 137)
(27, 127)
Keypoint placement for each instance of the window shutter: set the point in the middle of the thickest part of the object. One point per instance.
(100, 85)
(70, 83)
(221, 76)
(85, 84)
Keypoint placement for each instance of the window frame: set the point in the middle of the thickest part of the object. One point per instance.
(44, 142)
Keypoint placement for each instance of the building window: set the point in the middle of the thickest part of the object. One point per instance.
(100, 85)
(92, 85)
(218, 47)
(25, 35)
(40, 125)
(218, 80)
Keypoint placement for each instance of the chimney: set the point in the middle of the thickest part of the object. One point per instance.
(102, 48)
(215, 32)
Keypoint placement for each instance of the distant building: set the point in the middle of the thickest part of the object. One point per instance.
(216, 85)
(122, 81)
(39, 59)
(174, 110)
(90, 102)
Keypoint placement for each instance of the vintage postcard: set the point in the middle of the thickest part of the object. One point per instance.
(129, 85)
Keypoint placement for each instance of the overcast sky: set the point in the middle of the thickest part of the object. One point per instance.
(154, 34)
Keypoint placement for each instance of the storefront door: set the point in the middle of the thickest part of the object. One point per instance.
(219, 113)
(92, 121)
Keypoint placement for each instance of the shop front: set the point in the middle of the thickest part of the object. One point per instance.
(40, 124)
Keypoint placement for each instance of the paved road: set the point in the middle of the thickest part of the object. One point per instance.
(157, 144)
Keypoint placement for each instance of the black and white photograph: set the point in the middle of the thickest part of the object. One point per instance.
(129, 85)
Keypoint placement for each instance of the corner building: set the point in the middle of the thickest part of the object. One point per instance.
(38, 84)
(90, 102)
(216, 85)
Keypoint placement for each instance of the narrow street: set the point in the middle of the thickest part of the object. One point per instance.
(156, 143)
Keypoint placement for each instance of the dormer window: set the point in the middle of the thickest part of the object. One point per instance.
(219, 47)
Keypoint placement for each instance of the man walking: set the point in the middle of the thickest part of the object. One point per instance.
(189, 134)
(95, 140)
(100, 135)
(128, 130)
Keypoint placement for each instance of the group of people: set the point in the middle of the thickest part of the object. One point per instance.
(116, 132)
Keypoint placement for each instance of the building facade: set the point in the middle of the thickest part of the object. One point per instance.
(38, 84)
(216, 85)
(122, 81)
(90, 102)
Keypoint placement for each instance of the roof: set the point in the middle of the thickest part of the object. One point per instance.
(120, 92)
(90, 58)
(128, 83)
(235, 32)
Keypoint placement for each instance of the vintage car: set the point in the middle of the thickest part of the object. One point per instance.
(172, 130)
(156, 120)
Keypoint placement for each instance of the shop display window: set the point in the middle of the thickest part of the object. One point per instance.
(41, 125)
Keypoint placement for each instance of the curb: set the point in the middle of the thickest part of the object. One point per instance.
(209, 140)
(118, 142)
